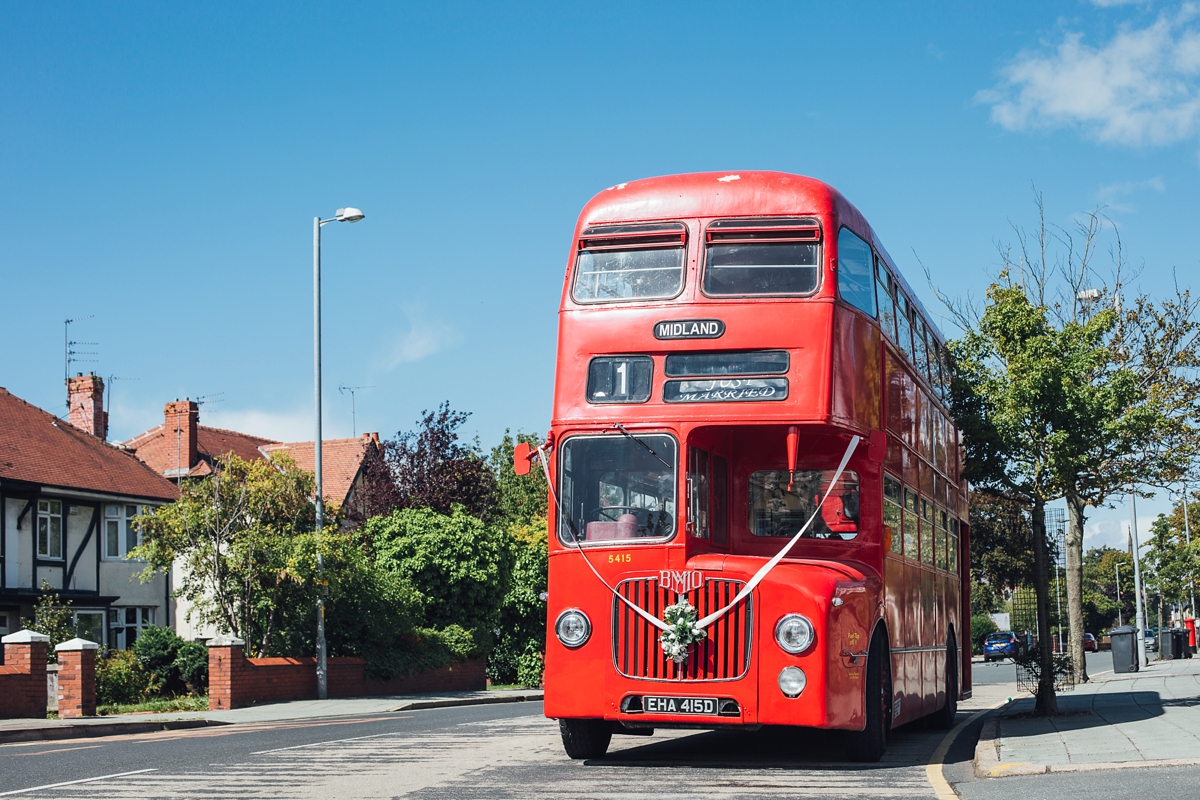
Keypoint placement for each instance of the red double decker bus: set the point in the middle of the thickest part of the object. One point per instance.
(757, 511)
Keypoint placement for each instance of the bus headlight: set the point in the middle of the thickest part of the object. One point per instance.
(792, 681)
(573, 628)
(794, 633)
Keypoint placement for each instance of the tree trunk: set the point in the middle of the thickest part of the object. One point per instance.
(1074, 546)
(1047, 702)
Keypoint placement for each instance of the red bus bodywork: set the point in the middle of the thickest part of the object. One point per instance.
(844, 378)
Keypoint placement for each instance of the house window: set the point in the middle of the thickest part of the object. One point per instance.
(90, 625)
(124, 625)
(50, 529)
(121, 533)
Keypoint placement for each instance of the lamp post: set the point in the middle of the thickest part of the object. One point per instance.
(342, 215)
(1140, 619)
(1187, 532)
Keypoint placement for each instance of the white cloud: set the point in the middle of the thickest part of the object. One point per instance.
(424, 337)
(1141, 87)
(284, 426)
(1113, 195)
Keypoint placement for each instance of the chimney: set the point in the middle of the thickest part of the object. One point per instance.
(182, 426)
(85, 401)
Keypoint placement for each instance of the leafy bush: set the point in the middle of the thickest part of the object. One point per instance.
(981, 627)
(458, 566)
(157, 649)
(423, 648)
(121, 679)
(530, 667)
(191, 665)
(522, 622)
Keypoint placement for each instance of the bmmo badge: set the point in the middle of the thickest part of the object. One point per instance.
(680, 581)
(689, 329)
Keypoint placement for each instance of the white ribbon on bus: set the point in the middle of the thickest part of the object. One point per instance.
(750, 585)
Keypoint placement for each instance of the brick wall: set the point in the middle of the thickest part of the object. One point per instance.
(235, 681)
(76, 678)
(23, 676)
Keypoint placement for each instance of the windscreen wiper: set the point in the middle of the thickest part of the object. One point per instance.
(626, 433)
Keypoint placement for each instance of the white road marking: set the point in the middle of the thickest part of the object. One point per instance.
(322, 744)
(81, 780)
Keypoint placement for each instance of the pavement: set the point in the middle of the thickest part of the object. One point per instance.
(22, 730)
(1149, 718)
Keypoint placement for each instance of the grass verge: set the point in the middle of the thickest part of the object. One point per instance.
(156, 706)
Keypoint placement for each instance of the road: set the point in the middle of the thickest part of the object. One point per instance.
(1006, 672)
(497, 751)
(507, 750)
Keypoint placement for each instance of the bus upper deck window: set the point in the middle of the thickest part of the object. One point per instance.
(630, 262)
(774, 511)
(855, 272)
(762, 257)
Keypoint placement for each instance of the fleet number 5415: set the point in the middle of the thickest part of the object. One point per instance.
(620, 558)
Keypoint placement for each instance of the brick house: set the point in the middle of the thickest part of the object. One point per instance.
(68, 500)
(181, 448)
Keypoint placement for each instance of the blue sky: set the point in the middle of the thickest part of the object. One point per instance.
(161, 165)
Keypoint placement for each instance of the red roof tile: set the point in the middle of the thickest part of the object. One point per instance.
(159, 448)
(341, 460)
(39, 448)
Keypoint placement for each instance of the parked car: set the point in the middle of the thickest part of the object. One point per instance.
(1000, 645)
(1090, 644)
(1151, 640)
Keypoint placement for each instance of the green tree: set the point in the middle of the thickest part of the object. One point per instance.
(1122, 376)
(1007, 389)
(54, 617)
(1170, 559)
(1101, 610)
(521, 630)
(1001, 549)
(521, 499)
(458, 567)
(244, 539)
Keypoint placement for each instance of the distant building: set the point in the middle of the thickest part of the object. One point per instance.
(68, 500)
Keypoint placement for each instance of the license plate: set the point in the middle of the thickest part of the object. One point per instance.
(680, 705)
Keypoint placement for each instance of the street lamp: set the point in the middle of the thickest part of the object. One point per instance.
(342, 215)
(1139, 615)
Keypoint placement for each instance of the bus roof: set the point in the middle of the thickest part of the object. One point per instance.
(733, 194)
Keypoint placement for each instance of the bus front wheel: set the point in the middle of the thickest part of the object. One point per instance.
(585, 738)
(869, 744)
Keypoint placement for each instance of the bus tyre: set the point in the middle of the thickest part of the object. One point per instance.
(869, 744)
(943, 719)
(585, 738)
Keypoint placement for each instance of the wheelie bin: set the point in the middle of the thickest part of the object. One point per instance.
(1124, 649)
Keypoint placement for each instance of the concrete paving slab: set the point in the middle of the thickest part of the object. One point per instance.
(1151, 717)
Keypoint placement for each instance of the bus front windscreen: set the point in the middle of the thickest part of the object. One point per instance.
(617, 487)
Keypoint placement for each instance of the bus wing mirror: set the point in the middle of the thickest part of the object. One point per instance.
(878, 450)
(522, 458)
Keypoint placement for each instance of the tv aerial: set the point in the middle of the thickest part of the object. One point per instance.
(353, 415)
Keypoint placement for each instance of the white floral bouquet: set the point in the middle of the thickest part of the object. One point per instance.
(683, 631)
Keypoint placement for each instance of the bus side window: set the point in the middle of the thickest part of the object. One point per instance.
(953, 545)
(926, 532)
(720, 500)
(892, 512)
(911, 548)
(698, 492)
(939, 540)
(904, 326)
(920, 347)
(887, 304)
(854, 268)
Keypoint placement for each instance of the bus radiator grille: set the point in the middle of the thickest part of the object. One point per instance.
(723, 655)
